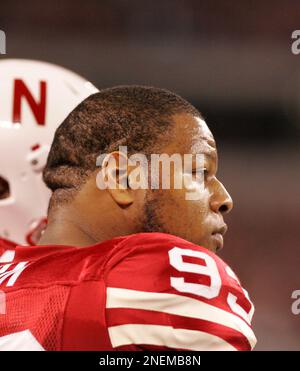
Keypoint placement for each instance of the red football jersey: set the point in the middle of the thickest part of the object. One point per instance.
(141, 292)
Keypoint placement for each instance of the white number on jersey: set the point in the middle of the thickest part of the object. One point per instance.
(210, 269)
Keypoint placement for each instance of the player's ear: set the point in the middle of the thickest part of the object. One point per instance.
(115, 172)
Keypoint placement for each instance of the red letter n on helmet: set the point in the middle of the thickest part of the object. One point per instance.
(38, 108)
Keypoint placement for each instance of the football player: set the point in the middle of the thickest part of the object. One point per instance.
(127, 268)
(35, 97)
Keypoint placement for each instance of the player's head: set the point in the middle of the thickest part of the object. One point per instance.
(35, 97)
(150, 121)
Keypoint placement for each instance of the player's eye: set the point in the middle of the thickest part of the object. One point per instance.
(200, 175)
(4, 189)
(203, 171)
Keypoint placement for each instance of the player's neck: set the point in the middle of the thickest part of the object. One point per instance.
(62, 230)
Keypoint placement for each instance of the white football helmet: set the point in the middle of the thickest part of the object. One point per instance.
(35, 97)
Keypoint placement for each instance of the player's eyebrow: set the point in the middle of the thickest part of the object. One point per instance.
(205, 145)
(204, 139)
(212, 143)
(208, 156)
(207, 151)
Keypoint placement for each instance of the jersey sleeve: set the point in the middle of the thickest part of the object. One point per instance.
(166, 293)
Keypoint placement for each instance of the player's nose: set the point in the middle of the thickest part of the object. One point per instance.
(221, 201)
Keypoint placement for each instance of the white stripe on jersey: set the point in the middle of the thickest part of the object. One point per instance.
(7, 257)
(20, 341)
(166, 336)
(177, 305)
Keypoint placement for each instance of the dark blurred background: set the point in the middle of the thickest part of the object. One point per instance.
(233, 60)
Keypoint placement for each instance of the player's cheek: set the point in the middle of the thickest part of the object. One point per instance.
(194, 188)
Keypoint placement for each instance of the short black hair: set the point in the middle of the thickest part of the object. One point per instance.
(135, 116)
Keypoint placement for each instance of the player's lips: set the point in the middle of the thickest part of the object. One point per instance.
(218, 241)
(218, 236)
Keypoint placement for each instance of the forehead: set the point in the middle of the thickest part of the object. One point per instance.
(192, 135)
